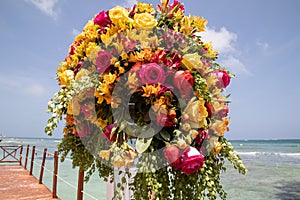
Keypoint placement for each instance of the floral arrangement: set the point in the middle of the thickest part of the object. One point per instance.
(141, 90)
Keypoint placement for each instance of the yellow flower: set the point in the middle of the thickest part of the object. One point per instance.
(218, 148)
(82, 72)
(132, 81)
(104, 88)
(102, 123)
(186, 127)
(144, 20)
(185, 26)
(73, 107)
(182, 144)
(109, 78)
(211, 80)
(193, 133)
(210, 51)
(118, 161)
(150, 90)
(219, 127)
(197, 113)
(119, 16)
(65, 77)
(192, 61)
(99, 96)
(144, 7)
(199, 23)
(105, 154)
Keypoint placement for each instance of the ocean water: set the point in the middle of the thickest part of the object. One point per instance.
(273, 165)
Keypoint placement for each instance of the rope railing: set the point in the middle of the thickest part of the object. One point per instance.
(56, 177)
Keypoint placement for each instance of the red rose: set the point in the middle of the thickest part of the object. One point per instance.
(107, 133)
(223, 79)
(102, 19)
(184, 81)
(164, 121)
(152, 73)
(172, 153)
(209, 108)
(191, 161)
(103, 61)
(135, 68)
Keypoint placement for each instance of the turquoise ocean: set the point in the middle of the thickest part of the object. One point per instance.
(274, 170)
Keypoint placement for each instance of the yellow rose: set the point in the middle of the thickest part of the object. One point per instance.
(65, 77)
(144, 20)
(192, 61)
(119, 16)
(197, 113)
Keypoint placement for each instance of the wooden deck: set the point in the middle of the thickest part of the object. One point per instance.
(17, 184)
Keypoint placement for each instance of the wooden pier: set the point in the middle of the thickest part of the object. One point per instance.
(17, 181)
(17, 184)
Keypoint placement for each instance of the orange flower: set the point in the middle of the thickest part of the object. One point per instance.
(150, 90)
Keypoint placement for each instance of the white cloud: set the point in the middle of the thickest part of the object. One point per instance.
(263, 45)
(224, 41)
(234, 65)
(46, 6)
(18, 84)
(75, 32)
(129, 3)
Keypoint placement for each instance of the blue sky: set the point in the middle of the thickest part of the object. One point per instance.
(257, 40)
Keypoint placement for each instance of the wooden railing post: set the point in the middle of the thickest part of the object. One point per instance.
(80, 184)
(55, 170)
(21, 156)
(32, 160)
(42, 166)
(26, 157)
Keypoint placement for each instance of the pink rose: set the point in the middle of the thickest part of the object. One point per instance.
(164, 121)
(171, 153)
(223, 79)
(152, 73)
(184, 81)
(128, 44)
(103, 61)
(191, 161)
(102, 19)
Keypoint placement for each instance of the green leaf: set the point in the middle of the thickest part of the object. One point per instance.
(165, 135)
(142, 144)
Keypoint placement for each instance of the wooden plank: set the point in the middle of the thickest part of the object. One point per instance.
(17, 184)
